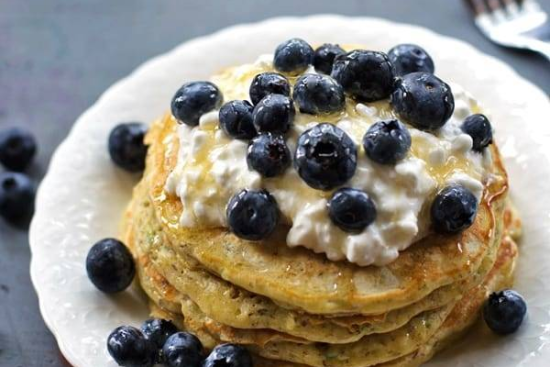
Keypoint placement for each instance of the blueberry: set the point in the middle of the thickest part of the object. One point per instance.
(504, 311)
(17, 148)
(423, 100)
(315, 94)
(228, 355)
(268, 83)
(182, 350)
(352, 210)
(325, 156)
(268, 155)
(324, 55)
(453, 209)
(16, 197)
(479, 128)
(195, 99)
(293, 56)
(408, 58)
(158, 330)
(252, 215)
(110, 266)
(129, 347)
(127, 146)
(387, 142)
(274, 113)
(366, 75)
(236, 119)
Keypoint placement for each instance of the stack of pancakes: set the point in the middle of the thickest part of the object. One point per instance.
(292, 307)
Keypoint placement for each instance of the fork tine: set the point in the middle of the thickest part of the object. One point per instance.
(496, 11)
(511, 6)
(494, 5)
(477, 6)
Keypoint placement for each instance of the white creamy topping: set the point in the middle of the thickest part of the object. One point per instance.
(212, 168)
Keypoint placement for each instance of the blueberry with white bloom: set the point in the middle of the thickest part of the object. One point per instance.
(387, 142)
(228, 355)
(236, 119)
(479, 128)
(352, 210)
(268, 83)
(274, 113)
(268, 154)
(325, 157)
(408, 58)
(130, 348)
(252, 215)
(316, 94)
(110, 266)
(504, 311)
(453, 210)
(423, 100)
(195, 99)
(17, 148)
(182, 350)
(367, 76)
(324, 56)
(293, 56)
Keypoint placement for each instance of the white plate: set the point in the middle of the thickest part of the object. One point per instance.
(83, 195)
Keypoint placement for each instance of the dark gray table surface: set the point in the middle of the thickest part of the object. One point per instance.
(57, 56)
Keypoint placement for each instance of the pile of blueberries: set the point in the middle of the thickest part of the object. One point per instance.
(325, 156)
(159, 342)
(17, 190)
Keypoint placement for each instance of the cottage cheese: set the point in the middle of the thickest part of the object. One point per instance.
(212, 168)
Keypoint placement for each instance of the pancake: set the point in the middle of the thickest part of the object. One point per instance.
(368, 351)
(299, 279)
(462, 315)
(240, 309)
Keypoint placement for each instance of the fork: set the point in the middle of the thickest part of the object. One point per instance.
(513, 23)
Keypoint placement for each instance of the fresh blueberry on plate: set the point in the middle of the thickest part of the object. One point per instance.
(158, 331)
(130, 348)
(252, 215)
(293, 56)
(453, 210)
(236, 119)
(387, 142)
(110, 266)
(268, 154)
(325, 156)
(16, 197)
(316, 93)
(479, 128)
(268, 83)
(423, 100)
(352, 210)
(274, 113)
(127, 146)
(324, 55)
(504, 311)
(17, 149)
(408, 58)
(182, 350)
(367, 76)
(195, 99)
(228, 355)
